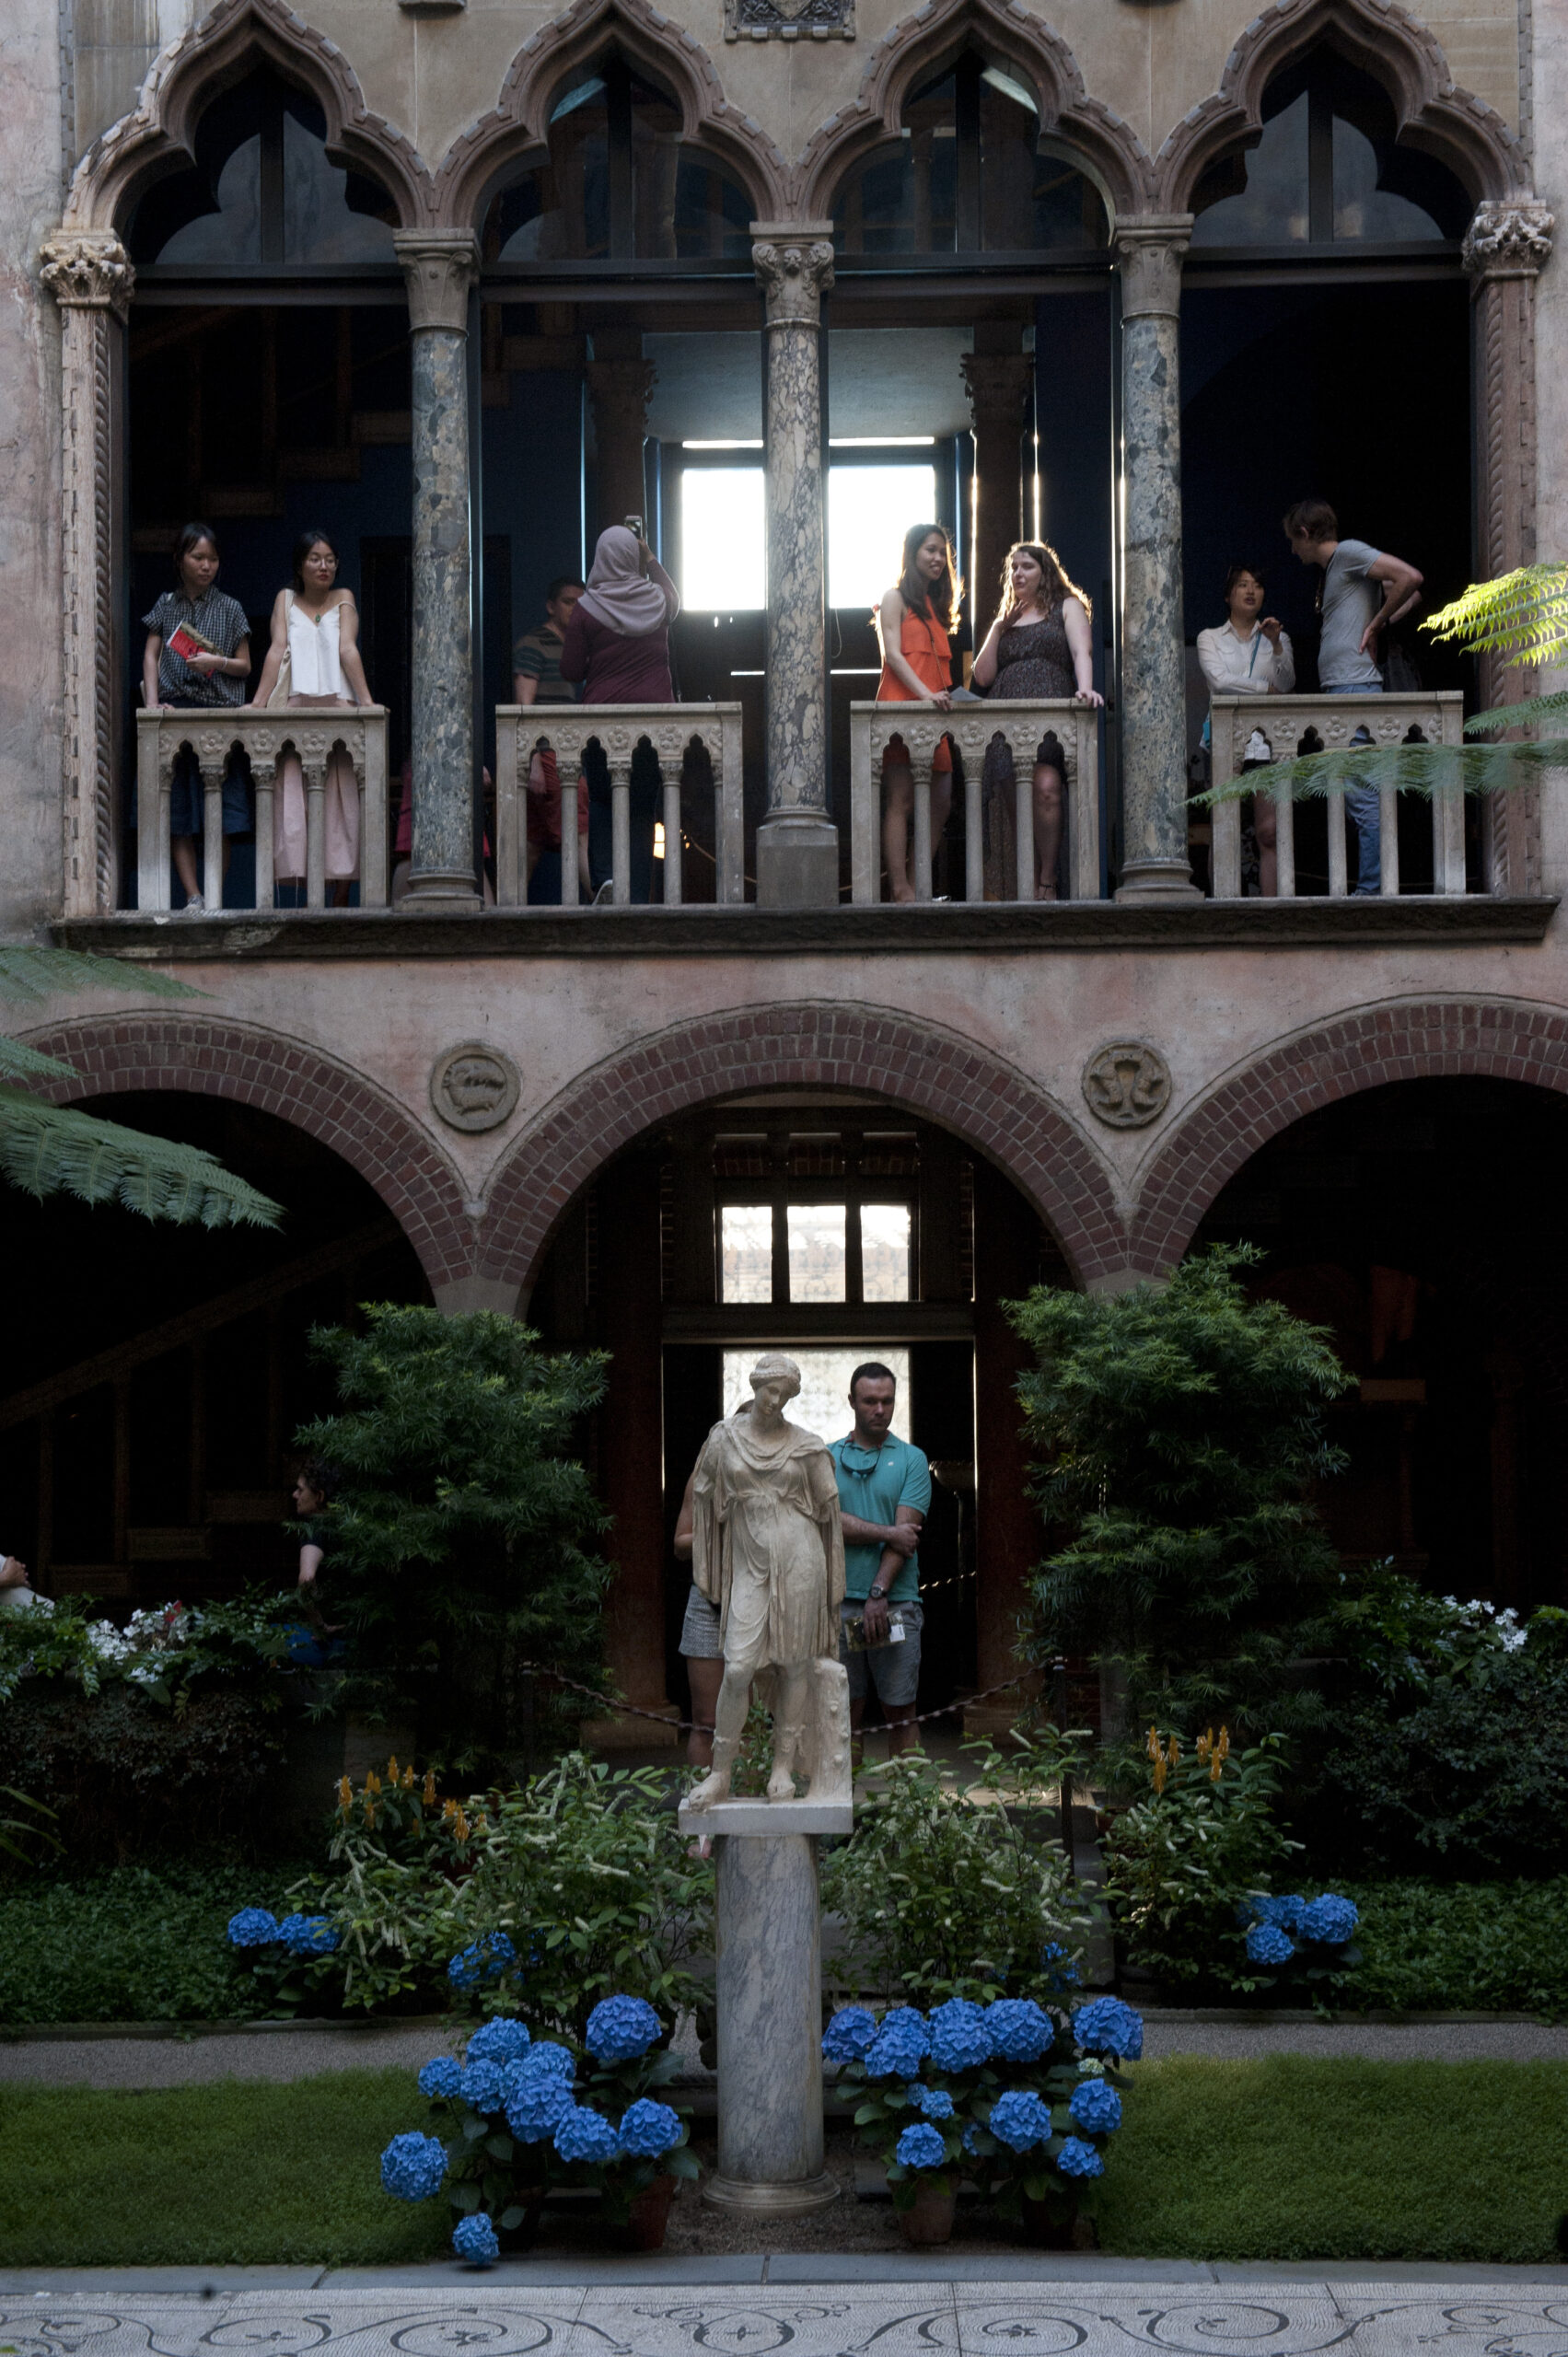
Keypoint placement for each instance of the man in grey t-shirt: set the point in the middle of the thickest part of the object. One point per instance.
(1353, 617)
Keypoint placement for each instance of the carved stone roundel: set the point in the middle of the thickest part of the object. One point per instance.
(1127, 1084)
(474, 1087)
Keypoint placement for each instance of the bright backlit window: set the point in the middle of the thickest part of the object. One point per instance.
(822, 1405)
(747, 1237)
(885, 1251)
(816, 1251)
(869, 510)
(723, 548)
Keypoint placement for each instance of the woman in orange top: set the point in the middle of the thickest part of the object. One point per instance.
(914, 623)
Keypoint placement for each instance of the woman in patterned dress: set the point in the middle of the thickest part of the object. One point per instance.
(1038, 648)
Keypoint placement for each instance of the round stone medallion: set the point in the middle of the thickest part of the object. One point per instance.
(1127, 1084)
(474, 1087)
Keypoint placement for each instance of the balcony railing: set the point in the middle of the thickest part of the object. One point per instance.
(1289, 724)
(672, 730)
(267, 736)
(973, 727)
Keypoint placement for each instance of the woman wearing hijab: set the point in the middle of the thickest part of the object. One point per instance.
(616, 647)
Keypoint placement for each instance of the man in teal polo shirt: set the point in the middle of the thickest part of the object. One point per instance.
(884, 1491)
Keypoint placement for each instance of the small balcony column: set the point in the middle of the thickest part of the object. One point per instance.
(439, 266)
(998, 385)
(619, 388)
(797, 845)
(1153, 669)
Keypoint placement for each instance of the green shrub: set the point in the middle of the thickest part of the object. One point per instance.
(1467, 1947)
(130, 1943)
(1176, 1433)
(948, 1890)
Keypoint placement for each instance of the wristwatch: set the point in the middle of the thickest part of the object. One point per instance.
(877, 1596)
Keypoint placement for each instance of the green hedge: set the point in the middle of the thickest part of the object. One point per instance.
(1462, 1947)
(126, 1945)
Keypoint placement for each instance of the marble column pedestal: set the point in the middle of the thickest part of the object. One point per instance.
(769, 1987)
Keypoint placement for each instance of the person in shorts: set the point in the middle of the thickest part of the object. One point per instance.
(884, 1491)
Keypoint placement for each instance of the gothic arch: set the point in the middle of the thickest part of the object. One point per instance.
(991, 1105)
(918, 46)
(1384, 40)
(217, 51)
(517, 123)
(206, 1056)
(1369, 1047)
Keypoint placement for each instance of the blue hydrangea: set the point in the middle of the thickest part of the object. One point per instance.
(1020, 2030)
(441, 2077)
(486, 1958)
(545, 2055)
(920, 2148)
(535, 2096)
(648, 2129)
(971, 2138)
(936, 2102)
(1287, 1912)
(1078, 2159)
(583, 2135)
(1108, 2027)
(1059, 1964)
(412, 2166)
(1266, 1944)
(307, 1936)
(474, 2239)
(900, 2045)
(480, 2085)
(960, 2040)
(498, 2042)
(1330, 1919)
(620, 2028)
(1095, 2107)
(1020, 2119)
(253, 1927)
(848, 2035)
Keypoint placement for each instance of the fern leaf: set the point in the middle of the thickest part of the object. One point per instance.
(52, 1149)
(1517, 715)
(1407, 769)
(1523, 613)
(32, 973)
(19, 1063)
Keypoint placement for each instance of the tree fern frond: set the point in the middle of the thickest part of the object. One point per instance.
(18, 1063)
(1407, 769)
(30, 973)
(1523, 613)
(52, 1149)
(1517, 715)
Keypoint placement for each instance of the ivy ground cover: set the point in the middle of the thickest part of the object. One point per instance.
(1288, 2158)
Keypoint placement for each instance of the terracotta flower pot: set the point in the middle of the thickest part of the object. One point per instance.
(929, 2218)
(1044, 2228)
(648, 2219)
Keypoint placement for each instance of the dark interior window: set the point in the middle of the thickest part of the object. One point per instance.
(619, 184)
(1328, 171)
(262, 193)
(971, 172)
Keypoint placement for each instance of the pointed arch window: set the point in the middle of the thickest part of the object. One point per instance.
(622, 184)
(972, 172)
(1328, 172)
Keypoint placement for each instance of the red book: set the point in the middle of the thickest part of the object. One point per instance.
(185, 642)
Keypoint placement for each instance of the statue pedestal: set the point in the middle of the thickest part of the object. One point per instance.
(769, 2002)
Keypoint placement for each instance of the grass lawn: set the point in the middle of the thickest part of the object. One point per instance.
(1282, 2159)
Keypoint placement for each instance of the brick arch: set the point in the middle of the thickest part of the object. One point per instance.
(114, 1054)
(991, 1105)
(1370, 1048)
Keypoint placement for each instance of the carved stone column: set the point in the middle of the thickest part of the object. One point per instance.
(1153, 669)
(620, 391)
(1506, 246)
(797, 845)
(439, 266)
(90, 274)
(998, 386)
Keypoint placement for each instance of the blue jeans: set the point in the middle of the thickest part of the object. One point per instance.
(1366, 805)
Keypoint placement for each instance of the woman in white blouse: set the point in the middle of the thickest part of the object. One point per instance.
(316, 629)
(1248, 658)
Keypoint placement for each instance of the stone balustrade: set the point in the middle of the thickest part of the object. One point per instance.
(313, 734)
(1285, 720)
(972, 727)
(618, 729)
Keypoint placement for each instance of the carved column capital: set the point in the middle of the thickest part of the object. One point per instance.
(88, 269)
(997, 385)
(439, 267)
(1508, 238)
(1148, 252)
(795, 262)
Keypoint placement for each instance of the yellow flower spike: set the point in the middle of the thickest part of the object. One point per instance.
(392, 1768)
(430, 1788)
(372, 1781)
(406, 1780)
(1159, 1773)
(370, 1814)
(345, 1795)
(1153, 1745)
(460, 1827)
(449, 1811)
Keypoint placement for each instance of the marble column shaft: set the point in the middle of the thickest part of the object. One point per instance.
(768, 1988)
(1154, 669)
(795, 263)
(620, 391)
(440, 266)
(998, 385)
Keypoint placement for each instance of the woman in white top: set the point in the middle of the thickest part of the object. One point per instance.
(1248, 658)
(316, 626)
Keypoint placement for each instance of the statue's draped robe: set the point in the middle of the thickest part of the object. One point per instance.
(767, 1506)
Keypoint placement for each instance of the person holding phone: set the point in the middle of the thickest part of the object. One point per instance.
(197, 658)
(617, 649)
(1245, 656)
